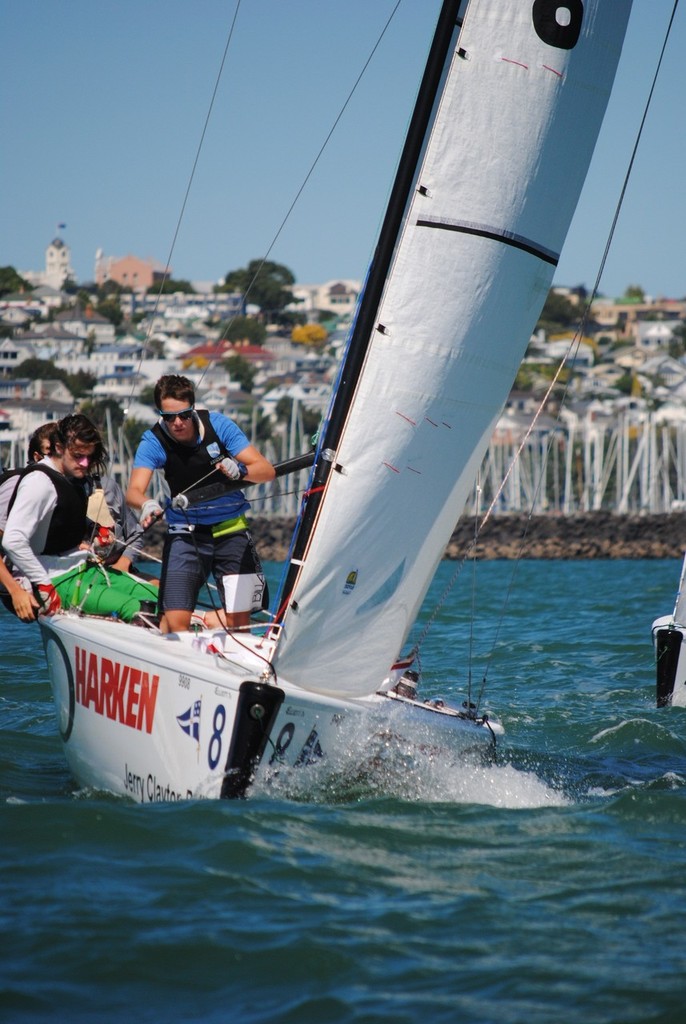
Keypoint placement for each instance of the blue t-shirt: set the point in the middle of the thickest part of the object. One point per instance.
(150, 454)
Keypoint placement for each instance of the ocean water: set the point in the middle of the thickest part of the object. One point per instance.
(548, 887)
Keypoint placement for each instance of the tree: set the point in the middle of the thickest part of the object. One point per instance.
(677, 344)
(79, 384)
(11, 281)
(241, 371)
(169, 287)
(111, 310)
(310, 418)
(147, 395)
(243, 328)
(558, 314)
(266, 284)
(635, 292)
(625, 383)
(38, 369)
(133, 432)
(309, 334)
(96, 411)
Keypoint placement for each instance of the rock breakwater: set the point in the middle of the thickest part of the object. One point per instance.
(582, 536)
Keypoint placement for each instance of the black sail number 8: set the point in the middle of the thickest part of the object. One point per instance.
(558, 22)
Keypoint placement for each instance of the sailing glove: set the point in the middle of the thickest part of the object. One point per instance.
(231, 468)
(49, 599)
(150, 510)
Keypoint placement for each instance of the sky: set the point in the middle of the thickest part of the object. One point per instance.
(104, 105)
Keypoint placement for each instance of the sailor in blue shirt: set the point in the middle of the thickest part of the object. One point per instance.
(202, 455)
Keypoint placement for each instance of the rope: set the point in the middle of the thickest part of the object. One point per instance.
(187, 193)
(307, 177)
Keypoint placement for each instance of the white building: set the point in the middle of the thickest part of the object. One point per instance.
(57, 266)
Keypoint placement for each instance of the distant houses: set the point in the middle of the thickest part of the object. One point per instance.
(626, 375)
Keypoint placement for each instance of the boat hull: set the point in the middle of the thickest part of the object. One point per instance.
(156, 718)
(670, 661)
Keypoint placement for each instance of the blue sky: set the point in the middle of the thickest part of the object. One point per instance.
(103, 105)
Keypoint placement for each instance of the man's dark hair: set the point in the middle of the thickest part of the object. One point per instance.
(46, 432)
(78, 429)
(174, 386)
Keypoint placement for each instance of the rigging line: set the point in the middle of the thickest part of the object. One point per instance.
(472, 616)
(309, 174)
(574, 344)
(188, 189)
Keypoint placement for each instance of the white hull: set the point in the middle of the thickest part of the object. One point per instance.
(158, 718)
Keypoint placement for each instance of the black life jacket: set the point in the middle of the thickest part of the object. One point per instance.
(68, 521)
(187, 465)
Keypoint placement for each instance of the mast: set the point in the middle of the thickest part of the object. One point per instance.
(448, 26)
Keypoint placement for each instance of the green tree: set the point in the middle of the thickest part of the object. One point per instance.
(240, 370)
(625, 383)
(266, 284)
(243, 328)
(147, 395)
(558, 314)
(38, 369)
(79, 384)
(133, 432)
(96, 411)
(248, 420)
(11, 281)
(310, 418)
(635, 292)
(677, 343)
(169, 286)
(111, 310)
(109, 288)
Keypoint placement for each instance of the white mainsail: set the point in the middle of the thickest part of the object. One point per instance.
(509, 144)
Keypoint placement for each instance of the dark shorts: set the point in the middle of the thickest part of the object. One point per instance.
(188, 560)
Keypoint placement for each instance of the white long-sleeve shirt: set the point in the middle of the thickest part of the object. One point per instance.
(27, 529)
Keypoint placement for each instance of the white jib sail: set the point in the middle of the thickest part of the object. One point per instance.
(502, 171)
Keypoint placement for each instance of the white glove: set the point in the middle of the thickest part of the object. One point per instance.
(150, 510)
(231, 468)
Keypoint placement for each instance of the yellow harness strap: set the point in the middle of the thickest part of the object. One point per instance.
(228, 526)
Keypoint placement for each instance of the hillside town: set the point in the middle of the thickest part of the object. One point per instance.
(611, 435)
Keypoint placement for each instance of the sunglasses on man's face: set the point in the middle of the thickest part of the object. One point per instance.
(169, 417)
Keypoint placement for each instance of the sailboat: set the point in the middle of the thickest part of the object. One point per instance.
(668, 634)
(506, 118)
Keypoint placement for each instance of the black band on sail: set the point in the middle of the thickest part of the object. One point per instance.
(507, 237)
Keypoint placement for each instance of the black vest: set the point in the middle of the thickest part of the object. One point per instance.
(68, 522)
(187, 465)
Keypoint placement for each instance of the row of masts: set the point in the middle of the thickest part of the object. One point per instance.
(626, 467)
(629, 466)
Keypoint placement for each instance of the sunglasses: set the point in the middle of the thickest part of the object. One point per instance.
(169, 417)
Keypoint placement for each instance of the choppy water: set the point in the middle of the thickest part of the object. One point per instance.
(549, 887)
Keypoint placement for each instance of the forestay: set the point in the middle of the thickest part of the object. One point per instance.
(525, 90)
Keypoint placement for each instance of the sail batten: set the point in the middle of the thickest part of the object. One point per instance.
(440, 338)
(485, 231)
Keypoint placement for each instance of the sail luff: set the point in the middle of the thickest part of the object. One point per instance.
(507, 151)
